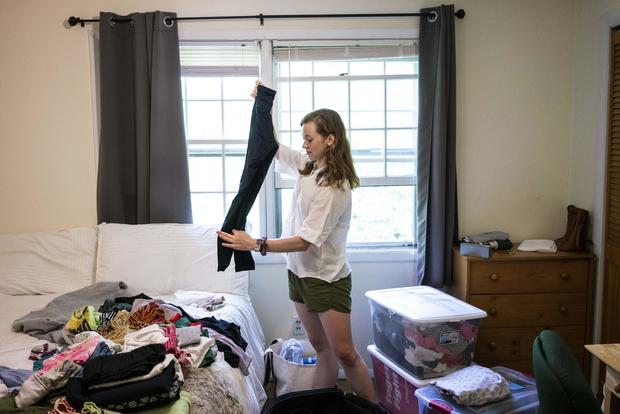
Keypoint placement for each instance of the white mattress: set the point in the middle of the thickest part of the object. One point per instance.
(15, 346)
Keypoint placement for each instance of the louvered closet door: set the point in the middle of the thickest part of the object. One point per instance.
(610, 332)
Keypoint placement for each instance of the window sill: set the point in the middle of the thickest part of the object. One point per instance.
(354, 255)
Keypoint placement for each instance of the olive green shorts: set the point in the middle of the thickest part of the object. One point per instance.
(319, 295)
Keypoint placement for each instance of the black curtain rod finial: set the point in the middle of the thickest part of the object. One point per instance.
(74, 20)
(460, 13)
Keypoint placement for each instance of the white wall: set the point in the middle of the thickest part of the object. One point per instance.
(515, 69)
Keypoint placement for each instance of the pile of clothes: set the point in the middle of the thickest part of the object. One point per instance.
(425, 350)
(128, 354)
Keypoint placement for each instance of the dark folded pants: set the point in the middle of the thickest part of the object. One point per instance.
(262, 147)
(115, 367)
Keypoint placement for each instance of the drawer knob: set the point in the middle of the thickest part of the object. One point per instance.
(563, 309)
(494, 276)
(564, 276)
(492, 311)
(492, 345)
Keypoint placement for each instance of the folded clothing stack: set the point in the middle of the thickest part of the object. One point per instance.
(482, 244)
(474, 385)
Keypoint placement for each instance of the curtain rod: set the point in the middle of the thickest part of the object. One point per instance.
(73, 21)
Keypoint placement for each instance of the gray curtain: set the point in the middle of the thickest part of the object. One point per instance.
(143, 166)
(437, 217)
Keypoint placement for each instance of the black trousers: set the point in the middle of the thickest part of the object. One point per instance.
(262, 147)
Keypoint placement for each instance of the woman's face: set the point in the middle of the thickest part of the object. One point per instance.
(315, 144)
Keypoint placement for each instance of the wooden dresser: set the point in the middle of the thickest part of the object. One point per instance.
(524, 293)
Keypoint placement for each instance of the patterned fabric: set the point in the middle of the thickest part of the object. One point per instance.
(84, 319)
(146, 315)
(62, 406)
(117, 328)
(474, 385)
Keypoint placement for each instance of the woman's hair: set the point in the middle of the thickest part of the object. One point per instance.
(338, 158)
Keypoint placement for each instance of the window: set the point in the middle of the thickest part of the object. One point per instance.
(217, 81)
(373, 86)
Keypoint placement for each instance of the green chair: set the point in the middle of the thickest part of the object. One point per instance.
(562, 387)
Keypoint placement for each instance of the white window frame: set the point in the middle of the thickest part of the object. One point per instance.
(267, 195)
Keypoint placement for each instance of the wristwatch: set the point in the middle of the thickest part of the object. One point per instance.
(258, 245)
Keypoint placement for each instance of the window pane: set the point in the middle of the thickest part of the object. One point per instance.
(284, 103)
(238, 87)
(382, 214)
(366, 68)
(237, 117)
(401, 119)
(203, 88)
(234, 169)
(368, 148)
(284, 121)
(330, 68)
(301, 68)
(204, 120)
(208, 208)
(332, 94)
(282, 68)
(400, 94)
(367, 95)
(205, 173)
(301, 97)
(399, 67)
(400, 152)
(400, 139)
(367, 119)
(399, 169)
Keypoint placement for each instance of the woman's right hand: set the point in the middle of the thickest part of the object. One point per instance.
(255, 90)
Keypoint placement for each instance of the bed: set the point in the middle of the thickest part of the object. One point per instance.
(175, 263)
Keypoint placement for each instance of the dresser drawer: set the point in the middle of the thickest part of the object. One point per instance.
(516, 343)
(536, 309)
(528, 276)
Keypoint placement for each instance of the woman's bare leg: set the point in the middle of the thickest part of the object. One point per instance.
(326, 373)
(337, 328)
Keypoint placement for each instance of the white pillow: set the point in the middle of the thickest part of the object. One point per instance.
(159, 259)
(47, 262)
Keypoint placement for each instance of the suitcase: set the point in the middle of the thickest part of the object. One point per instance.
(323, 401)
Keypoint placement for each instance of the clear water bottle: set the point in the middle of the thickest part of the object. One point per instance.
(292, 351)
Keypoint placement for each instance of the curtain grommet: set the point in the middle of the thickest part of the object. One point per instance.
(111, 22)
(131, 22)
(432, 17)
(168, 22)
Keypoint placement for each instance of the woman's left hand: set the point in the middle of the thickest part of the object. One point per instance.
(238, 240)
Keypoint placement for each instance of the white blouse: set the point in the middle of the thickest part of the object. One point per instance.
(320, 215)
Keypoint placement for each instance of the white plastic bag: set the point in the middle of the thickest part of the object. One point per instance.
(288, 376)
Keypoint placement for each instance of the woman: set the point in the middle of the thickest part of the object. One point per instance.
(314, 237)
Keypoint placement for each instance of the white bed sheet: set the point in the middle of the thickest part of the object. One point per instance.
(15, 346)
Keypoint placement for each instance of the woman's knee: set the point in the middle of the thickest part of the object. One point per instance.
(347, 355)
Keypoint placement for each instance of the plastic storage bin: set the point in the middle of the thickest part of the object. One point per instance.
(523, 398)
(426, 332)
(395, 387)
